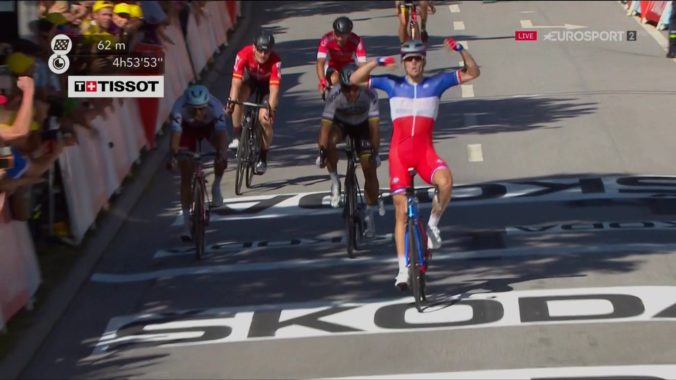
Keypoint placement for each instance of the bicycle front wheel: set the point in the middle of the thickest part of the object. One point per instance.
(416, 277)
(350, 211)
(242, 159)
(199, 218)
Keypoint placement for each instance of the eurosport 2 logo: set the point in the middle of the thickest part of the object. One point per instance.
(577, 36)
(116, 86)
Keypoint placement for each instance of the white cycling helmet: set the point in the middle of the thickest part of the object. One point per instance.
(413, 48)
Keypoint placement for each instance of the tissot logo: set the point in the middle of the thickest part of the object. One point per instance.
(116, 86)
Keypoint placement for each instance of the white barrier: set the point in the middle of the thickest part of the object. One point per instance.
(19, 270)
(94, 170)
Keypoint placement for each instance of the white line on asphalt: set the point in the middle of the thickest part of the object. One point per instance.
(526, 24)
(454, 8)
(467, 90)
(474, 153)
(527, 12)
(578, 227)
(458, 25)
(665, 371)
(394, 316)
(248, 246)
(447, 254)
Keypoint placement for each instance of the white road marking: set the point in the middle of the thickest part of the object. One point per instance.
(439, 255)
(549, 190)
(248, 246)
(526, 24)
(454, 8)
(527, 12)
(475, 153)
(458, 25)
(467, 90)
(592, 226)
(520, 308)
(665, 371)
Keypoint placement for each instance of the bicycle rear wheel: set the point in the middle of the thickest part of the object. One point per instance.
(350, 211)
(198, 218)
(416, 277)
(242, 159)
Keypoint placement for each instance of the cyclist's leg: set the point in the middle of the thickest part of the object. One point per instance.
(332, 76)
(365, 150)
(437, 173)
(399, 181)
(266, 123)
(423, 19)
(403, 23)
(219, 140)
(244, 93)
(336, 135)
(186, 167)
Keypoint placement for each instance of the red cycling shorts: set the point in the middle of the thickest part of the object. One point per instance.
(414, 153)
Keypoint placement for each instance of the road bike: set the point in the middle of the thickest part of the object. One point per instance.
(417, 252)
(248, 152)
(201, 205)
(354, 207)
(413, 29)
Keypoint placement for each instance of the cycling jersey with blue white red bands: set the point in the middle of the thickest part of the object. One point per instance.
(414, 107)
(181, 116)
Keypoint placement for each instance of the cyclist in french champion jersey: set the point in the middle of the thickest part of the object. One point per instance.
(352, 111)
(197, 115)
(340, 47)
(414, 103)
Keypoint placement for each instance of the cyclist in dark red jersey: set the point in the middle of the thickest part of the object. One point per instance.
(339, 47)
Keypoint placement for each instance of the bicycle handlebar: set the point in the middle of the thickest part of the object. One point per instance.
(249, 104)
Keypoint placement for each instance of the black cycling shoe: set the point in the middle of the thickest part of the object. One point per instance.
(424, 36)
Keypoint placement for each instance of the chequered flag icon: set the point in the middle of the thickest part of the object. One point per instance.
(61, 44)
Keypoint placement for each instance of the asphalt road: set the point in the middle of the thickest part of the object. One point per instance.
(559, 257)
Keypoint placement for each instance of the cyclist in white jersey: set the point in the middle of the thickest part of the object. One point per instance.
(352, 111)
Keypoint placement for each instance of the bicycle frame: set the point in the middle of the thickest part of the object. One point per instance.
(412, 21)
(354, 231)
(413, 215)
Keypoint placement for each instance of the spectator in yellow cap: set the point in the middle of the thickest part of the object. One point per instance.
(121, 14)
(135, 11)
(101, 19)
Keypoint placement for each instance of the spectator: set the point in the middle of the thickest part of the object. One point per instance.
(19, 128)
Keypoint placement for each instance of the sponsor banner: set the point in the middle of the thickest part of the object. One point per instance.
(484, 310)
(115, 86)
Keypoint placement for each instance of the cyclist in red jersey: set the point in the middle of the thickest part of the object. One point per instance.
(414, 103)
(340, 47)
(257, 69)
